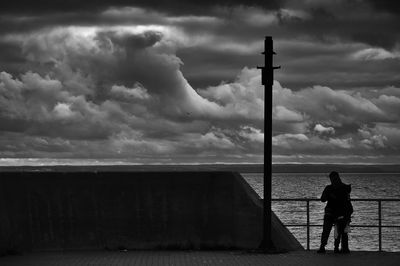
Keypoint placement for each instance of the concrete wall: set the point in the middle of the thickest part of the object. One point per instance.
(136, 210)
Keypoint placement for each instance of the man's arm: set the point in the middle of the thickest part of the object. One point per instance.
(324, 196)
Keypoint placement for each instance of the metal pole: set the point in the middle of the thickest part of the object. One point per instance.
(267, 76)
(380, 224)
(308, 225)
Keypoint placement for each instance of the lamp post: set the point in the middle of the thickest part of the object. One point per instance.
(267, 79)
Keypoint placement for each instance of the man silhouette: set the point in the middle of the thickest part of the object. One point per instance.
(338, 211)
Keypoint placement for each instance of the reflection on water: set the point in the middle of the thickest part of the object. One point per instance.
(363, 186)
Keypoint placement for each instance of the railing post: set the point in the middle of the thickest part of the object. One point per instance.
(308, 224)
(380, 224)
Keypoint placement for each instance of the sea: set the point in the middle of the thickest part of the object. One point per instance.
(364, 186)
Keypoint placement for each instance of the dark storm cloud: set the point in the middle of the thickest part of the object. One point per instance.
(205, 67)
(15, 23)
(390, 6)
(337, 65)
(24, 16)
(10, 53)
(374, 31)
(170, 6)
(370, 22)
(323, 20)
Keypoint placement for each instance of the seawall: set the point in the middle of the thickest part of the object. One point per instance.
(134, 210)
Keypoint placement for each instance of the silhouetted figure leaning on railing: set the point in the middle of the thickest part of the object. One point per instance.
(338, 211)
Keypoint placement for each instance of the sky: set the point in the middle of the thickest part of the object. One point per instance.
(177, 81)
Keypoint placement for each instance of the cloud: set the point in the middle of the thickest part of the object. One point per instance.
(319, 102)
(173, 6)
(375, 54)
(252, 134)
(138, 92)
(62, 110)
(389, 100)
(44, 106)
(210, 139)
(338, 19)
(387, 6)
(388, 134)
(281, 113)
(288, 140)
(321, 129)
(241, 99)
(341, 143)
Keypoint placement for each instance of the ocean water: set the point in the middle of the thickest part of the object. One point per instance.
(311, 185)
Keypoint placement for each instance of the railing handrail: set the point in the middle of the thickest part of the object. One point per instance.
(317, 199)
(308, 225)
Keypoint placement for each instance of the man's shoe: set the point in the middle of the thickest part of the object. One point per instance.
(346, 251)
(321, 250)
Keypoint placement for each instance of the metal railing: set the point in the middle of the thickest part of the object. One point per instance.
(308, 225)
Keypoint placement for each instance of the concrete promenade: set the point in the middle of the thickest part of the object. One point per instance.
(136, 210)
(197, 258)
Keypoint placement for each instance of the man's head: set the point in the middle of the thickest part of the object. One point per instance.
(334, 177)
